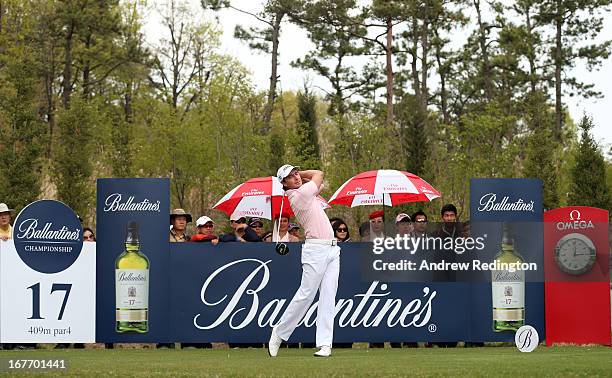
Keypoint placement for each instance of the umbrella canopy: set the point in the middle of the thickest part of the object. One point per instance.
(383, 187)
(258, 197)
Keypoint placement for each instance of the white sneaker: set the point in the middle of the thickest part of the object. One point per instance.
(325, 351)
(274, 343)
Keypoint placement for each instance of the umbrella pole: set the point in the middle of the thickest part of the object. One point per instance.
(384, 224)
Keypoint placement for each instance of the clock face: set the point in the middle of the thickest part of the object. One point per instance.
(575, 254)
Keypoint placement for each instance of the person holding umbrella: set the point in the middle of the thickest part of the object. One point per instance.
(320, 261)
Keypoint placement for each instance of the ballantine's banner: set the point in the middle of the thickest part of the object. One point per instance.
(577, 275)
(509, 300)
(47, 275)
(133, 261)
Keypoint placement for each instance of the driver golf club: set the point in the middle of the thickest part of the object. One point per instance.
(281, 248)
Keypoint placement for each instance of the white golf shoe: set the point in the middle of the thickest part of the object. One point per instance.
(325, 351)
(274, 344)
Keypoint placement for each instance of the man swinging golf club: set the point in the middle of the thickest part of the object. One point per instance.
(320, 261)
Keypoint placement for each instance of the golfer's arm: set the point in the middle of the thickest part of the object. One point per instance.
(313, 175)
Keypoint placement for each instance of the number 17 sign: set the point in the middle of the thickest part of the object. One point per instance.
(47, 278)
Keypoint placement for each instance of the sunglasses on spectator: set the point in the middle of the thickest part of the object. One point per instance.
(421, 221)
(88, 237)
(207, 225)
(239, 221)
(257, 225)
(342, 230)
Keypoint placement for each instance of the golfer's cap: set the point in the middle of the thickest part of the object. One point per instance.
(5, 209)
(402, 217)
(284, 171)
(293, 226)
(203, 220)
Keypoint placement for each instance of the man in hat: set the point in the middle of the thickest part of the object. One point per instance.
(179, 219)
(403, 224)
(6, 230)
(377, 225)
(206, 231)
(256, 224)
(320, 261)
(241, 231)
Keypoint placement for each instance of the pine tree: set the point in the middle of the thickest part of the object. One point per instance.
(308, 149)
(589, 186)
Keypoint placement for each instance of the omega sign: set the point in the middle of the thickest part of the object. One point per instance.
(373, 308)
(575, 222)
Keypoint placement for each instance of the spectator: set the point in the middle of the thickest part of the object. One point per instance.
(241, 232)
(364, 231)
(206, 231)
(403, 224)
(267, 237)
(341, 231)
(294, 229)
(6, 230)
(257, 225)
(419, 219)
(377, 225)
(179, 219)
(450, 226)
(282, 233)
(88, 235)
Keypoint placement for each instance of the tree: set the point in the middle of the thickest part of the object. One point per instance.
(308, 146)
(265, 39)
(573, 22)
(540, 155)
(22, 134)
(72, 166)
(589, 186)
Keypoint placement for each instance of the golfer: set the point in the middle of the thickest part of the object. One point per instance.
(320, 261)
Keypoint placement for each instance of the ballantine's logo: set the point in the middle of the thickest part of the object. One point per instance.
(113, 203)
(130, 277)
(358, 190)
(360, 311)
(28, 229)
(575, 224)
(487, 203)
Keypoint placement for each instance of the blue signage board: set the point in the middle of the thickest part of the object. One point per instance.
(132, 260)
(517, 204)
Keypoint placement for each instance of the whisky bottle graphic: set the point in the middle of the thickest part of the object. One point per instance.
(508, 287)
(132, 285)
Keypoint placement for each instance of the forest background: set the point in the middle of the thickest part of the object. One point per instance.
(448, 90)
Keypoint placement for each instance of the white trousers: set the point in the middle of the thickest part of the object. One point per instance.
(320, 269)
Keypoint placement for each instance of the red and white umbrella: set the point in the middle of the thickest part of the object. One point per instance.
(383, 187)
(258, 197)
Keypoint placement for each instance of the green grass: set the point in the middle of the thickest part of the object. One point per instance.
(490, 361)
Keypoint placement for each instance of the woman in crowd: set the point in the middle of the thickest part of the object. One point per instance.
(341, 231)
(283, 234)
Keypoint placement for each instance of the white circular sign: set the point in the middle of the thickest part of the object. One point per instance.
(526, 338)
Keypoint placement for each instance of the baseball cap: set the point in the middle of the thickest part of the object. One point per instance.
(293, 226)
(284, 171)
(236, 217)
(203, 220)
(402, 217)
(254, 220)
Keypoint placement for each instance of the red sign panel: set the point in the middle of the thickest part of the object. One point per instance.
(576, 267)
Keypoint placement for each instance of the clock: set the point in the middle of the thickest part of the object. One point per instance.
(575, 254)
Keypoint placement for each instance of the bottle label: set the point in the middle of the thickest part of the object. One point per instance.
(508, 289)
(132, 293)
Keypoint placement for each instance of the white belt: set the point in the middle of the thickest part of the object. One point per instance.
(322, 241)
